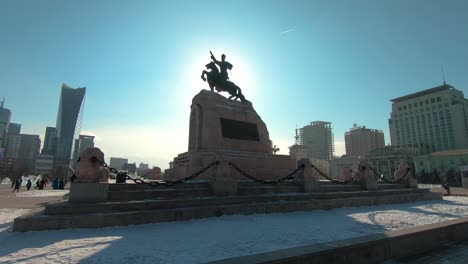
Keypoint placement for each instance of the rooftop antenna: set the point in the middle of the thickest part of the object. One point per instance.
(443, 75)
(296, 137)
(1, 106)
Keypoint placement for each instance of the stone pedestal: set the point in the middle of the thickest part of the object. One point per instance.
(411, 182)
(367, 179)
(405, 173)
(309, 176)
(89, 192)
(232, 131)
(223, 184)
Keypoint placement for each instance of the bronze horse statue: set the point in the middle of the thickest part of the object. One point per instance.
(215, 81)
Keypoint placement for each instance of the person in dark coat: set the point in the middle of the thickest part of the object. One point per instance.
(61, 185)
(17, 185)
(29, 184)
(42, 184)
(55, 184)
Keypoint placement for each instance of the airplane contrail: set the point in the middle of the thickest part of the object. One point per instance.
(287, 31)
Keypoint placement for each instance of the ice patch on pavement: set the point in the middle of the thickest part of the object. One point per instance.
(40, 193)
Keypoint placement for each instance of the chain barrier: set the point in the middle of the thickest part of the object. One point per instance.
(162, 183)
(290, 176)
(352, 179)
(390, 181)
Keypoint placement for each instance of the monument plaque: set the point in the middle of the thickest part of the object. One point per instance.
(239, 130)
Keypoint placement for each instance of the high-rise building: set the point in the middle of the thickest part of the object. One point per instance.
(44, 164)
(117, 163)
(28, 150)
(361, 140)
(5, 115)
(81, 144)
(130, 167)
(50, 141)
(68, 126)
(143, 166)
(432, 120)
(12, 140)
(14, 129)
(12, 147)
(317, 139)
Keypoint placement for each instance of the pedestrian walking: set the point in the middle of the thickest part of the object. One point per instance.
(29, 184)
(61, 184)
(55, 184)
(17, 185)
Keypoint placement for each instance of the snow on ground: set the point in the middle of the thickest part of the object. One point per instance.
(40, 193)
(210, 239)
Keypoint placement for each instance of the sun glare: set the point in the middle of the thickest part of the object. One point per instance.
(240, 73)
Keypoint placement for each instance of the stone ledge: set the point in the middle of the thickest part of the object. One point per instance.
(366, 249)
(92, 192)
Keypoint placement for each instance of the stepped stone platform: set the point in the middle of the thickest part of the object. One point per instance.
(142, 204)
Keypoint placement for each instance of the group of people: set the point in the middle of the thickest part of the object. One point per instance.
(41, 184)
(59, 184)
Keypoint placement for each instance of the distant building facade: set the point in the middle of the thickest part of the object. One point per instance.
(50, 141)
(69, 119)
(5, 115)
(14, 129)
(28, 151)
(361, 140)
(117, 163)
(297, 152)
(387, 160)
(12, 141)
(44, 164)
(130, 167)
(81, 144)
(317, 140)
(12, 146)
(343, 167)
(442, 163)
(433, 120)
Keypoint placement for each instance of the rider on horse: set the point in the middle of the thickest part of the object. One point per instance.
(223, 66)
(219, 80)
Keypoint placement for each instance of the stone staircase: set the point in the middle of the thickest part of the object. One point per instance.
(141, 204)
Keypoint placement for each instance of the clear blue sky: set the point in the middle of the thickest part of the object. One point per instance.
(297, 61)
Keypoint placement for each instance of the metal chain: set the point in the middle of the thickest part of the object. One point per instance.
(390, 181)
(163, 183)
(290, 176)
(352, 179)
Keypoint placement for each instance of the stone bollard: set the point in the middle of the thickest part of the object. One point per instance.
(367, 179)
(223, 183)
(409, 181)
(309, 176)
(92, 182)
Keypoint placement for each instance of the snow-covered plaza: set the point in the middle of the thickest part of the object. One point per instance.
(203, 240)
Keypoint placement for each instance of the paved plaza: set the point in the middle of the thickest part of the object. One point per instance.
(203, 240)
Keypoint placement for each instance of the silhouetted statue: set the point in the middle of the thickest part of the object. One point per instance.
(220, 80)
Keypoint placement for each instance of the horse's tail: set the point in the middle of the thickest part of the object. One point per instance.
(239, 94)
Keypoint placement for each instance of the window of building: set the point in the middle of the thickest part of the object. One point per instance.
(427, 101)
(404, 107)
(420, 103)
(410, 106)
(399, 108)
(432, 100)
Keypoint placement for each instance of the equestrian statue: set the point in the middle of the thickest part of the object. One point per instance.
(219, 79)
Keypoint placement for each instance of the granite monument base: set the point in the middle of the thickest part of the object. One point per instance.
(89, 192)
